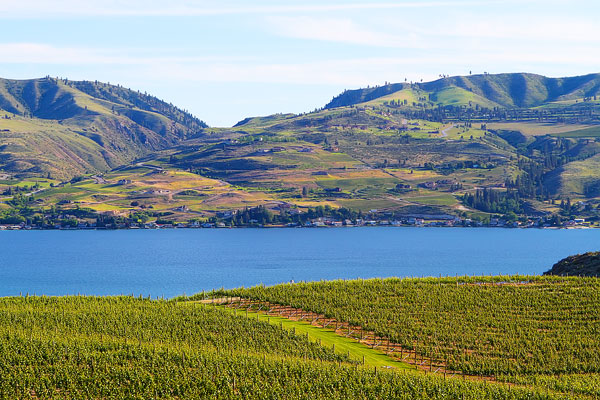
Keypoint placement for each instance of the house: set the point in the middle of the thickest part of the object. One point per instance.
(428, 185)
(415, 221)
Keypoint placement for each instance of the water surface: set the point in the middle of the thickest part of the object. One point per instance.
(171, 262)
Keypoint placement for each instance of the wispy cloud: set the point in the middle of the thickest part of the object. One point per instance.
(343, 30)
(41, 53)
(344, 71)
(98, 8)
(524, 28)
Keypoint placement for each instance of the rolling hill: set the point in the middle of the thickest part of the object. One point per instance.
(499, 90)
(62, 128)
(476, 146)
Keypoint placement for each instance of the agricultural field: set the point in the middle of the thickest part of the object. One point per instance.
(148, 187)
(540, 129)
(127, 347)
(534, 331)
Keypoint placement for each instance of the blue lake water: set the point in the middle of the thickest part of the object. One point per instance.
(176, 261)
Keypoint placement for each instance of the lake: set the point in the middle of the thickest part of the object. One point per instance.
(171, 262)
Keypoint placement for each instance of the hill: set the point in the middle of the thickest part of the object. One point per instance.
(587, 264)
(63, 128)
(516, 90)
(453, 147)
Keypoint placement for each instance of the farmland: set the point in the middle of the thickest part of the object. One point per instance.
(521, 329)
(134, 347)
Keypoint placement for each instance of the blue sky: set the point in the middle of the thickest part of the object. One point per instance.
(226, 60)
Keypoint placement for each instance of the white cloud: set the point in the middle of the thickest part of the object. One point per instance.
(521, 28)
(349, 72)
(342, 30)
(41, 53)
(96, 8)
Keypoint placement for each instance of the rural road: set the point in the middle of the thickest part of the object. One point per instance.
(445, 131)
(154, 167)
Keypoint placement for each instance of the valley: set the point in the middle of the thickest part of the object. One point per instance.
(516, 148)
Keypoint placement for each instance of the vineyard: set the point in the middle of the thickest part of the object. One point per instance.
(135, 348)
(540, 331)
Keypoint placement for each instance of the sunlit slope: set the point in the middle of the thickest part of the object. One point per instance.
(62, 128)
(503, 90)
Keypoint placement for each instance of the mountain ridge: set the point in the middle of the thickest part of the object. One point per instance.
(512, 90)
(84, 126)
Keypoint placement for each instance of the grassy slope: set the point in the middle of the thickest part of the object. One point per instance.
(80, 133)
(354, 148)
(506, 90)
(577, 179)
(271, 159)
(328, 338)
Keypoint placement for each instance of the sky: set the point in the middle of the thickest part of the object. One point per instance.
(226, 60)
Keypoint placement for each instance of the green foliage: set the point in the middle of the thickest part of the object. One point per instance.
(488, 326)
(504, 90)
(494, 201)
(127, 348)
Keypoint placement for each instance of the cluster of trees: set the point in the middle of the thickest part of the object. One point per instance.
(262, 215)
(495, 201)
(11, 190)
(449, 167)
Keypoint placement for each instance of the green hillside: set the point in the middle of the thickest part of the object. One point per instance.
(503, 90)
(519, 147)
(63, 128)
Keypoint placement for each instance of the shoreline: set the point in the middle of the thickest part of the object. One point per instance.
(31, 228)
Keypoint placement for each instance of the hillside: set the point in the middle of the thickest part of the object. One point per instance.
(500, 90)
(587, 264)
(62, 128)
(444, 148)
